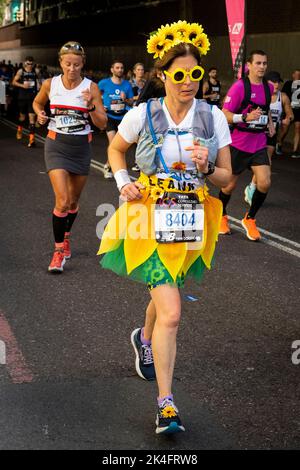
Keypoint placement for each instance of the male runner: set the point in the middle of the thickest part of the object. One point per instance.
(280, 104)
(246, 107)
(117, 96)
(26, 80)
(212, 87)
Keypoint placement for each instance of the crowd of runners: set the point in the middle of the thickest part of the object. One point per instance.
(14, 98)
(182, 143)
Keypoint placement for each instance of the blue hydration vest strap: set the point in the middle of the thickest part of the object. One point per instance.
(155, 141)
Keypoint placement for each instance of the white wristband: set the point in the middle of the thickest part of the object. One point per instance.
(122, 178)
(237, 118)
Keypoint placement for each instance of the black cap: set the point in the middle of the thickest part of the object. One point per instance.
(273, 76)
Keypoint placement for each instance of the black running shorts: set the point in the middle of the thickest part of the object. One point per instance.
(112, 124)
(296, 112)
(272, 141)
(241, 160)
(25, 105)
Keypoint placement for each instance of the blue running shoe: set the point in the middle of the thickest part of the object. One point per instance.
(167, 419)
(249, 194)
(144, 363)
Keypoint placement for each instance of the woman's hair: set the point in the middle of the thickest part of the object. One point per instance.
(155, 87)
(138, 64)
(72, 47)
(181, 50)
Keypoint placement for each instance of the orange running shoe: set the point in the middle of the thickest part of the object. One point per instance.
(31, 142)
(224, 227)
(67, 248)
(19, 133)
(57, 262)
(251, 229)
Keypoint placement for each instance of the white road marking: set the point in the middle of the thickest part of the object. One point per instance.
(270, 242)
(270, 234)
(2, 352)
(100, 167)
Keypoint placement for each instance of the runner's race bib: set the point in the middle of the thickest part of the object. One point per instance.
(30, 83)
(178, 217)
(69, 124)
(117, 106)
(215, 90)
(295, 99)
(259, 123)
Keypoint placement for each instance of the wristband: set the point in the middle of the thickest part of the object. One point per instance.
(210, 170)
(237, 118)
(122, 178)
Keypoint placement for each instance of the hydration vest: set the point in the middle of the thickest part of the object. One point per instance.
(147, 156)
(248, 105)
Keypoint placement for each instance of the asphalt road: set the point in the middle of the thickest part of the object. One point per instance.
(69, 380)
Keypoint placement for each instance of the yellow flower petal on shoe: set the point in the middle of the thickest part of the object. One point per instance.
(139, 242)
(172, 255)
(213, 214)
(168, 412)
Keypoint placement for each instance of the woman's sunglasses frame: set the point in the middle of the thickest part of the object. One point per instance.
(185, 73)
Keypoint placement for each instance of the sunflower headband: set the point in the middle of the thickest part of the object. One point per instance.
(170, 35)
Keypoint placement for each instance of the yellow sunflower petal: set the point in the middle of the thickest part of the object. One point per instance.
(172, 255)
(169, 32)
(213, 214)
(193, 31)
(202, 42)
(181, 27)
(168, 412)
(114, 231)
(156, 44)
(139, 242)
(197, 27)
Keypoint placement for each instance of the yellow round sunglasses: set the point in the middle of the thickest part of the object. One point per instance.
(179, 75)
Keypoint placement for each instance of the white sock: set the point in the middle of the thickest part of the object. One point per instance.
(252, 185)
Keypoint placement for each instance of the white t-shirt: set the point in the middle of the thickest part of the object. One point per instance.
(133, 121)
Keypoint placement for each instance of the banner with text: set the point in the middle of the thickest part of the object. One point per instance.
(236, 26)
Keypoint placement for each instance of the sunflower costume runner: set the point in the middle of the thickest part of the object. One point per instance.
(132, 243)
(146, 260)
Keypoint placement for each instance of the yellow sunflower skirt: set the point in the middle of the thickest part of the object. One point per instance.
(130, 248)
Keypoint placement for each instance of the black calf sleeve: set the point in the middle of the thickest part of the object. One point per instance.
(59, 227)
(257, 201)
(70, 220)
(224, 198)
